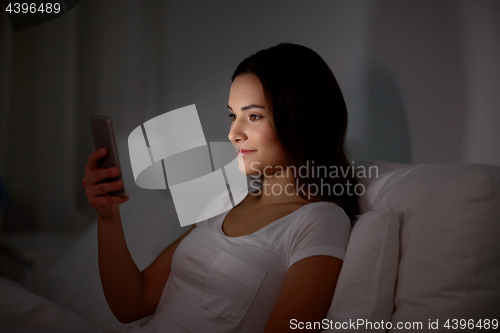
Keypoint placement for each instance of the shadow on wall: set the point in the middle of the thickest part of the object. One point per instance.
(387, 133)
(414, 67)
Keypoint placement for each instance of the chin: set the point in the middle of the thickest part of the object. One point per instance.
(245, 168)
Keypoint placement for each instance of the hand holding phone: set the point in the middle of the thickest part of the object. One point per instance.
(104, 137)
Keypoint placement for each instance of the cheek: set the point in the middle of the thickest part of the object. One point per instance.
(267, 138)
(270, 151)
(274, 152)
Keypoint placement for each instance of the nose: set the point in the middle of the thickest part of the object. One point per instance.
(237, 132)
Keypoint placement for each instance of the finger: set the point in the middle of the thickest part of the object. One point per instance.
(100, 202)
(104, 188)
(96, 177)
(94, 158)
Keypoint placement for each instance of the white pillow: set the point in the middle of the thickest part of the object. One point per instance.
(379, 175)
(365, 288)
(450, 249)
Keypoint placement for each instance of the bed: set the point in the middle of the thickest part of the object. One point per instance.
(425, 250)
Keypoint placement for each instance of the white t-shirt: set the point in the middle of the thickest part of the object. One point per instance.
(221, 284)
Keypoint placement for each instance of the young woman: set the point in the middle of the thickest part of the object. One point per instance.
(276, 256)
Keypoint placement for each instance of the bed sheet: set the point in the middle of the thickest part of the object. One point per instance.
(24, 312)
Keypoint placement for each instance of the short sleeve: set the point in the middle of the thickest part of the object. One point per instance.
(322, 230)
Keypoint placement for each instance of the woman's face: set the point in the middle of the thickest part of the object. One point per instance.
(251, 134)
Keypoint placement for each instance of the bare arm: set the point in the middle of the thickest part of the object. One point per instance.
(307, 293)
(130, 293)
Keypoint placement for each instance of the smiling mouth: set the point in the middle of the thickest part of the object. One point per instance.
(244, 152)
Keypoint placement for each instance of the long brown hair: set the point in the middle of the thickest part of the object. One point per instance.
(309, 117)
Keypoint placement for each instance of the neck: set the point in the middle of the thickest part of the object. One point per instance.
(278, 188)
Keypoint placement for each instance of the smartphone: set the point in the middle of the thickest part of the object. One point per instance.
(104, 137)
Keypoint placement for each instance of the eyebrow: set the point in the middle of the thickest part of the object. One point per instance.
(248, 107)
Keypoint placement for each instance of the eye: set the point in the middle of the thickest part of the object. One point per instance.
(232, 116)
(254, 117)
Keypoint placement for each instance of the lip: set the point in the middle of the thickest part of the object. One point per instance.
(243, 152)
